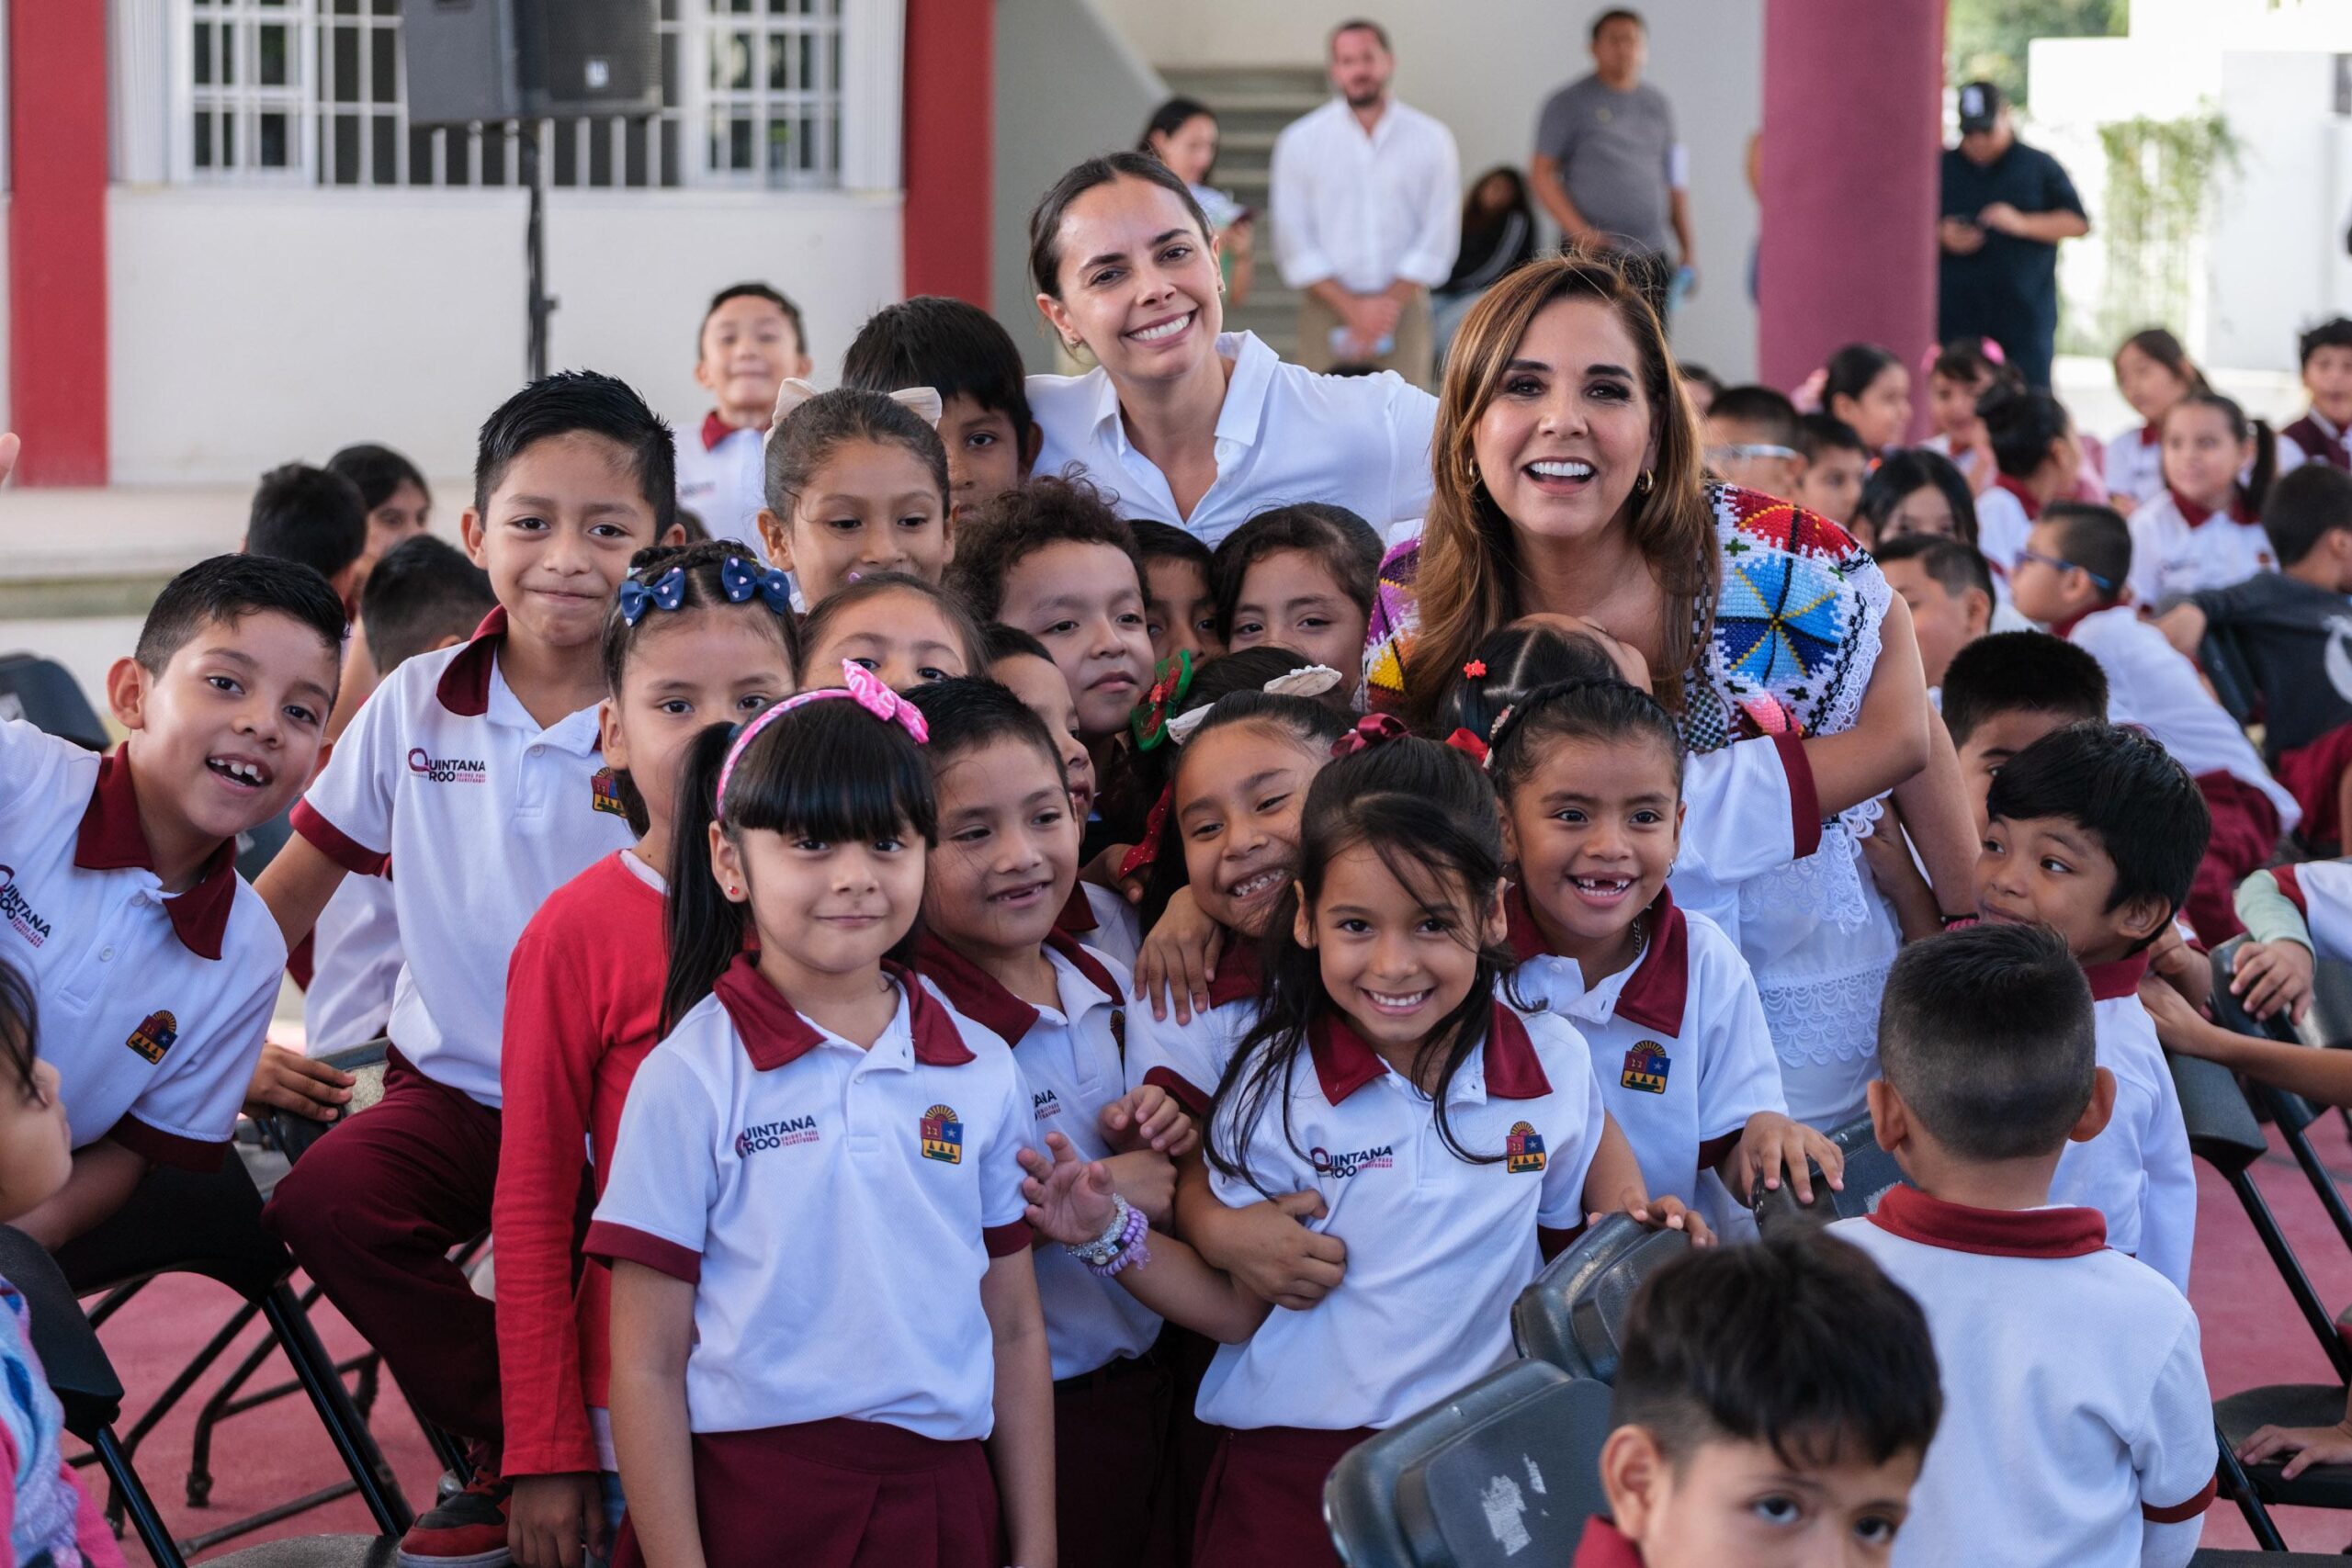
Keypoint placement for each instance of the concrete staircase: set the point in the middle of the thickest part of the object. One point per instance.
(1252, 104)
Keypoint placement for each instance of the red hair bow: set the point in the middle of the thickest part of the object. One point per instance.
(1466, 741)
(1371, 729)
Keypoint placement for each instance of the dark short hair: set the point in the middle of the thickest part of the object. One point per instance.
(1692, 370)
(1852, 368)
(955, 349)
(2304, 507)
(421, 593)
(967, 712)
(581, 401)
(1952, 566)
(1360, 25)
(1165, 541)
(2166, 350)
(1987, 1034)
(1964, 359)
(1010, 642)
(1617, 14)
(2020, 425)
(1798, 1342)
(1045, 217)
(1766, 408)
(2094, 537)
(1022, 521)
(2333, 332)
(2120, 786)
(312, 516)
(1915, 468)
(1821, 433)
(2020, 672)
(1345, 546)
(378, 471)
(1509, 663)
(754, 291)
(228, 589)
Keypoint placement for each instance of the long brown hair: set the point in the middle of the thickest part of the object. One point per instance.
(1469, 575)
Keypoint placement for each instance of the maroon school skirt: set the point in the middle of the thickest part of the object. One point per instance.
(1110, 1437)
(1263, 1506)
(839, 1494)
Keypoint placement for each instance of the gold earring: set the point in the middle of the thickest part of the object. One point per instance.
(1646, 481)
(1474, 477)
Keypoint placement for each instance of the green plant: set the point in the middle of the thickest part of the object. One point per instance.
(2160, 188)
(1986, 39)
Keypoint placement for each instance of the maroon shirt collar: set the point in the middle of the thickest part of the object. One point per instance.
(111, 839)
(1658, 991)
(2026, 498)
(776, 1035)
(2065, 628)
(982, 998)
(2196, 516)
(1344, 1063)
(1078, 913)
(2150, 436)
(716, 430)
(1603, 1546)
(2110, 982)
(1994, 1233)
(464, 688)
(1239, 977)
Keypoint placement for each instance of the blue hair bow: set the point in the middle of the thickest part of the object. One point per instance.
(667, 593)
(741, 579)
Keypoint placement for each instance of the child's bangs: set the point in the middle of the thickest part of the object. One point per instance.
(834, 772)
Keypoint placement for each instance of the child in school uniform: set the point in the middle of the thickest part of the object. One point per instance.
(2204, 530)
(2324, 432)
(1772, 1406)
(858, 484)
(827, 1344)
(2036, 461)
(1588, 774)
(1959, 374)
(316, 518)
(2077, 1429)
(153, 967)
(1835, 462)
(476, 772)
(1179, 591)
(2153, 371)
(750, 342)
(1300, 577)
(700, 632)
(965, 356)
(900, 627)
(2095, 832)
(991, 949)
(1452, 1140)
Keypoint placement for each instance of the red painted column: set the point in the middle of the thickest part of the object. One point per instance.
(951, 86)
(1848, 182)
(57, 239)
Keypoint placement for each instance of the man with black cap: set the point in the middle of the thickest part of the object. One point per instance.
(2005, 206)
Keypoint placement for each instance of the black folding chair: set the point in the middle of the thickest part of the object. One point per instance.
(44, 692)
(1870, 1173)
(1574, 1314)
(1505, 1472)
(2226, 667)
(91, 1394)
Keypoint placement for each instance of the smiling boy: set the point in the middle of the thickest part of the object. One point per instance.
(750, 342)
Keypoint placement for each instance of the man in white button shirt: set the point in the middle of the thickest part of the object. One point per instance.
(1366, 215)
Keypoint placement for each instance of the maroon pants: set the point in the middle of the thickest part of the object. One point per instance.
(1263, 1505)
(2245, 831)
(371, 1211)
(838, 1494)
(2310, 775)
(1110, 1437)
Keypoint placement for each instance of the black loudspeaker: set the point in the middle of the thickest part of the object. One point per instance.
(493, 60)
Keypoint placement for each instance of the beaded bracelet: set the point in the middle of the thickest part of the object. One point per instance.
(1133, 1249)
(1104, 1247)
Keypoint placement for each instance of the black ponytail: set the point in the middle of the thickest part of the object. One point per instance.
(704, 926)
(1511, 663)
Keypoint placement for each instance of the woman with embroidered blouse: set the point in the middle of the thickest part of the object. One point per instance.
(1569, 482)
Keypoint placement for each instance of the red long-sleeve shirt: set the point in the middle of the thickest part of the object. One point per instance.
(583, 1006)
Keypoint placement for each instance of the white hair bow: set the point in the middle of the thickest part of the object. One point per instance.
(923, 403)
(1308, 681)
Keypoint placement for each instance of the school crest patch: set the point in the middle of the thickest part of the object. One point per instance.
(154, 1034)
(1523, 1150)
(943, 1135)
(1645, 1068)
(605, 793)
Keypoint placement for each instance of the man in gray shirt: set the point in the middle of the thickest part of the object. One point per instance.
(1607, 166)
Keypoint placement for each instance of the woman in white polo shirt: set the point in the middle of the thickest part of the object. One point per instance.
(1186, 423)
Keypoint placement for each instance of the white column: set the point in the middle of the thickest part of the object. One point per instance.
(873, 84)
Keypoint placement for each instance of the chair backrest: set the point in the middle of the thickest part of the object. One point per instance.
(183, 1222)
(2229, 1012)
(2224, 664)
(76, 1364)
(293, 1134)
(1574, 1314)
(1505, 1473)
(2329, 1021)
(1870, 1173)
(45, 692)
(2222, 1129)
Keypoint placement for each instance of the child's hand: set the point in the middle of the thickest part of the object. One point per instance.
(1148, 1181)
(2176, 1022)
(1147, 1117)
(1267, 1249)
(1770, 1143)
(1669, 1214)
(2181, 966)
(1177, 960)
(1103, 871)
(1070, 1198)
(288, 1080)
(2310, 1445)
(2272, 975)
(551, 1517)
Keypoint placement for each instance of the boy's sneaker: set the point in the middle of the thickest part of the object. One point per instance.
(468, 1530)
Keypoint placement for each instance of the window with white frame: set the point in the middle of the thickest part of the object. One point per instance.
(313, 92)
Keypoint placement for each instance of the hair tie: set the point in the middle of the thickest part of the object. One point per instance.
(666, 592)
(1171, 680)
(1373, 730)
(861, 685)
(738, 578)
(1308, 680)
(1466, 741)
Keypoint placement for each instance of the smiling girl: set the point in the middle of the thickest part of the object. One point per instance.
(2204, 529)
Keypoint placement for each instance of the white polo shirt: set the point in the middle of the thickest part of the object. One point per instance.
(2076, 1417)
(2312, 439)
(723, 478)
(1677, 1041)
(151, 1008)
(2005, 517)
(445, 773)
(1189, 1060)
(355, 966)
(2135, 465)
(1284, 434)
(1103, 920)
(1438, 1246)
(2178, 547)
(2137, 1173)
(2153, 684)
(835, 1207)
(1366, 209)
(1072, 1061)
(1751, 808)
(2322, 891)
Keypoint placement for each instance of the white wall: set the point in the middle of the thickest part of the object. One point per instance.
(250, 326)
(1486, 66)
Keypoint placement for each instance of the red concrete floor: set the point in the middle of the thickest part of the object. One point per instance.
(2252, 1334)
